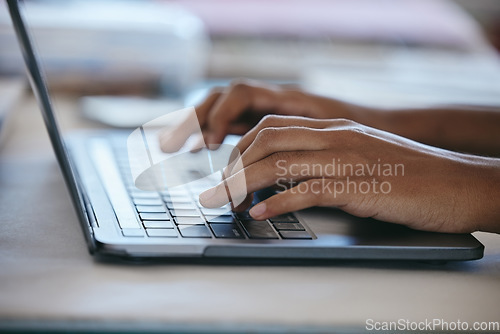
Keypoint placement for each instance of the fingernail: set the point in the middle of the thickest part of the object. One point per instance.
(258, 210)
(207, 195)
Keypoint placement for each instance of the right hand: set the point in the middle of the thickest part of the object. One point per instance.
(239, 107)
(363, 171)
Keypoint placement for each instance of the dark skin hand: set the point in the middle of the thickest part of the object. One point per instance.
(441, 189)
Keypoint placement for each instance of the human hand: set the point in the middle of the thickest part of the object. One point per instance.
(363, 171)
(237, 108)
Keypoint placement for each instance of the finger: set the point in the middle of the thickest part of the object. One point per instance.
(286, 139)
(238, 129)
(247, 202)
(240, 97)
(203, 109)
(197, 145)
(325, 134)
(262, 174)
(277, 121)
(171, 140)
(291, 86)
(313, 192)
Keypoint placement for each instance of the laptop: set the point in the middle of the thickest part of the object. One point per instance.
(121, 220)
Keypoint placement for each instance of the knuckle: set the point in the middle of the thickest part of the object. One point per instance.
(344, 122)
(355, 132)
(267, 134)
(270, 120)
(215, 91)
(243, 90)
(265, 138)
(349, 131)
(352, 132)
(240, 84)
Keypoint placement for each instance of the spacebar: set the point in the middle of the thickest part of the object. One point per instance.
(102, 156)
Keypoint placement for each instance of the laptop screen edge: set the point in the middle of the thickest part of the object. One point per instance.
(39, 87)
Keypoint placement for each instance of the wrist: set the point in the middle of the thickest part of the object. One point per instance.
(484, 193)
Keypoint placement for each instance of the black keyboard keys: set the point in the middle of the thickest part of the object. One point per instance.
(295, 235)
(181, 206)
(185, 213)
(143, 195)
(244, 215)
(228, 231)
(284, 218)
(148, 201)
(224, 219)
(150, 208)
(195, 231)
(259, 229)
(154, 216)
(215, 211)
(289, 226)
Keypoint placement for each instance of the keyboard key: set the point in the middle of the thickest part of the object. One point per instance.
(165, 233)
(285, 218)
(226, 219)
(158, 224)
(144, 195)
(185, 213)
(228, 231)
(295, 235)
(180, 220)
(195, 231)
(148, 201)
(132, 232)
(154, 216)
(259, 229)
(244, 215)
(150, 208)
(289, 226)
(215, 212)
(175, 192)
(169, 201)
(178, 199)
(181, 206)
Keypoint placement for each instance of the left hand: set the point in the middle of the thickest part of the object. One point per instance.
(361, 170)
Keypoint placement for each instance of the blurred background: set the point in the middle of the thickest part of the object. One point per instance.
(128, 61)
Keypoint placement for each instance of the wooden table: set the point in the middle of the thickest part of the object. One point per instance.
(49, 281)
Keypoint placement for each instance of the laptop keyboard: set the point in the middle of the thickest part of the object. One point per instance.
(177, 213)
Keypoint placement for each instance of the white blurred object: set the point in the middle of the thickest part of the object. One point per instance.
(111, 41)
(126, 112)
(416, 78)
